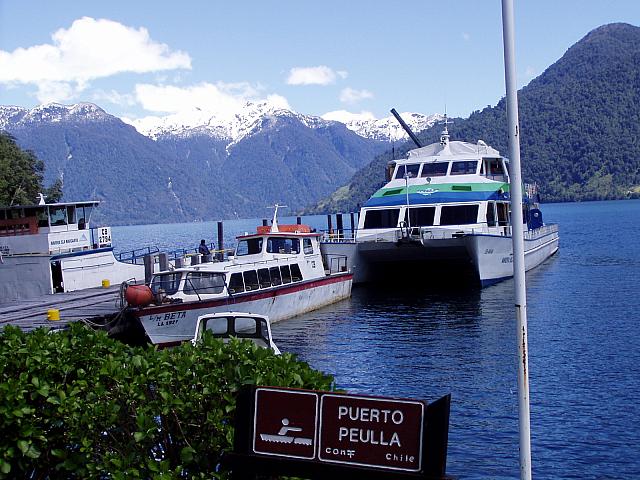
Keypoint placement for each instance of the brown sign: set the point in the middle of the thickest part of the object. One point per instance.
(356, 430)
(285, 423)
(372, 432)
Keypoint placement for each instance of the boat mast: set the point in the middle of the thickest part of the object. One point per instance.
(517, 235)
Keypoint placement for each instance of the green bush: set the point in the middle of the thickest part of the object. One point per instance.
(77, 404)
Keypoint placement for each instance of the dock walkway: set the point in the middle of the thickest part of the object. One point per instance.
(94, 304)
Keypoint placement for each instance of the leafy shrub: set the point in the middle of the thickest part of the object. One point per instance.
(77, 404)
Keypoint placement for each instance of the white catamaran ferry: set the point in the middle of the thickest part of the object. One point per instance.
(49, 248)
(277, 271)
(444, 212)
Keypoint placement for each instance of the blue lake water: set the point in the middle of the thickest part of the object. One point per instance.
(584, 326)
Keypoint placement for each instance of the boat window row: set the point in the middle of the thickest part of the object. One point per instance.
(264, 278)
(284, 245)
(199, 283)
(497, 213)
(489, 167)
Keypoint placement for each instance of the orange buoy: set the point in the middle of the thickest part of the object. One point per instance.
(138, 295)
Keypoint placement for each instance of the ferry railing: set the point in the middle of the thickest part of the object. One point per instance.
(339, 236)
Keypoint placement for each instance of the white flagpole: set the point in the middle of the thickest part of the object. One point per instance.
(517, 232)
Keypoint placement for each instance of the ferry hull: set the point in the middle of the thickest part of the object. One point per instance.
(493, 255)
(175, 323)
(470, 258)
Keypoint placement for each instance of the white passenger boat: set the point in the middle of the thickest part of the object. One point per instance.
(49, 248)
(444, 212)
(277, 271)
(240, 325)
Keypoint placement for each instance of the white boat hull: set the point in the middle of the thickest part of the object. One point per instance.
(30, 276)
(175, 323)
(488, 257)
(492, 255)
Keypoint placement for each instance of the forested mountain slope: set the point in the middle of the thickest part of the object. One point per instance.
(579, 123)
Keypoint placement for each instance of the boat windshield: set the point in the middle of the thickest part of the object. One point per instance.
(434, 169)
(204, 283)
(283, 245)
(240, 327)
(250, 246)
(168, 283)
(410, 170)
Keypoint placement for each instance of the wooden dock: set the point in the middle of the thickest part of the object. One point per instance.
(94, 305)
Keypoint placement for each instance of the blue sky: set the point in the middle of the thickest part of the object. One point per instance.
(138, 58)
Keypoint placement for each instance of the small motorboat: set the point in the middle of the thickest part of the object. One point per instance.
(244, 326)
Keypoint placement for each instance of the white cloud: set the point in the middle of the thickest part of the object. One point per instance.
(349, 95)
(113, 97)
(345, 116)
(222, 99)
(89, 49)
(320, 75)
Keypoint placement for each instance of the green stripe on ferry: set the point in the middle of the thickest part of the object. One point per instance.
(444, 187)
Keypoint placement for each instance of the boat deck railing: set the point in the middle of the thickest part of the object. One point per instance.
(135, 256)
(346, 235)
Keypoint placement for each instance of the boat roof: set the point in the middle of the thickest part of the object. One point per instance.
(452, 149)
(92, 203)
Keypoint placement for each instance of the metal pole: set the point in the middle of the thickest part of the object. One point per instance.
(517, 233)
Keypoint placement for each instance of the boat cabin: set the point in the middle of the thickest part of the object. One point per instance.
(493, 168)
(52, 228)
(270, 258)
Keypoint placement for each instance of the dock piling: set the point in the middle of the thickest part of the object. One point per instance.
(220, 254)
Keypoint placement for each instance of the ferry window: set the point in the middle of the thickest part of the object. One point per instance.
(85, 216)
(381, 218)
(503, 214)
(236, 285)
(264, 278)
(58, 215)
(421, 217)
(249, 247)
(494, 167)
(411, 171)
(43, 218)
(283, 245)
(71, 214)
(3, 215)
(167, 282)
(203, 283)
(306, 246)
(434, 169)
(296, 276)
(275, 276)
(466, 167)
(250, 280)
(459, 215)
(491, 214)
(286, 274)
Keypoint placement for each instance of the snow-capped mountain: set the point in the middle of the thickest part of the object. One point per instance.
(233, 128)
(50, 112)
(389, 130)
(190, 167)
